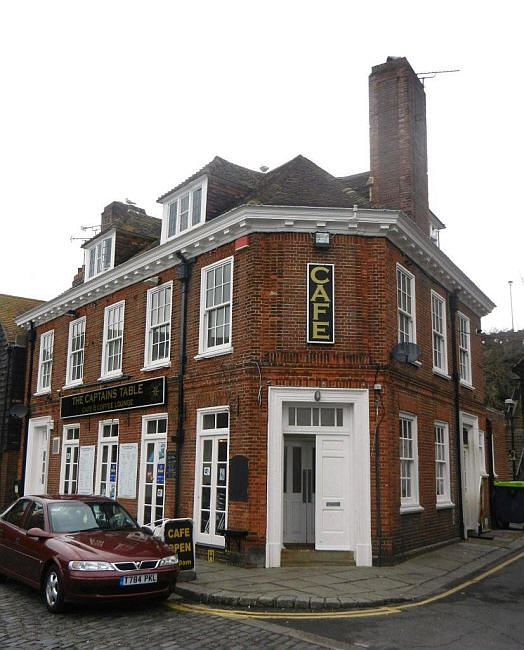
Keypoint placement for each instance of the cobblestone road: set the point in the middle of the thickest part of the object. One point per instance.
(26, 624)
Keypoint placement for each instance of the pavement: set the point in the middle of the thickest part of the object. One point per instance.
(347, 587)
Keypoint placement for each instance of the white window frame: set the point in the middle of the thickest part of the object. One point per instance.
(96, 253)
(150, 437)
(106, 440)
(439, 334)
(43, 383)
(176, 200)
(402, 310)
(410, 503)
(206, 434)
(493, 455)
(67, 445)
(117, 372)
(150, 327)
(70, 353)
(442, 500)
(464, 348)
(204, 350)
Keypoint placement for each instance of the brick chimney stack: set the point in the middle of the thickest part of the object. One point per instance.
(398, 140)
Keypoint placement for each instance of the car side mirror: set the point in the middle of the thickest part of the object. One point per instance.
(146, 530)
(38, 532)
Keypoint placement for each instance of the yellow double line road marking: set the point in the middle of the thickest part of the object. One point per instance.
(353, 613)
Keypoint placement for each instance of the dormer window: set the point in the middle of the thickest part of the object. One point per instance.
(185, 210)
(100, 256)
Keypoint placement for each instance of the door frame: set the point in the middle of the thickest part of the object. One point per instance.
(44, 421)
(359, 508)
(475, 477)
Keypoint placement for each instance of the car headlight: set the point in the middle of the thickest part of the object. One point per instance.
(170, 560)
(90, 565)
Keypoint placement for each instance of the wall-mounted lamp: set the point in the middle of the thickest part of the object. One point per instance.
(321, 239)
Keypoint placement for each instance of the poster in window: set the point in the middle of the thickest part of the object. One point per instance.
(86, 464)
(160, 473)
(127, 470)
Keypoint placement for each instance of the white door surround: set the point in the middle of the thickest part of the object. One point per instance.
(37, 455)
(358, 510)
(471, 471)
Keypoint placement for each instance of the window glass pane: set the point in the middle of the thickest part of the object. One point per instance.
(209, 421)
(327, 417)
(172, 219)
(303, 416)
(297, 469)
(222, 420)
(197, 206)
(222, 450)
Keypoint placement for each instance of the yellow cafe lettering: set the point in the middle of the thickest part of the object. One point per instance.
(320, 303)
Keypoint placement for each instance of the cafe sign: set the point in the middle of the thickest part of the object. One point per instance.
(320, 303)
(138, 394)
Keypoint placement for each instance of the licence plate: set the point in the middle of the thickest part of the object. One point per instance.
(143, 579)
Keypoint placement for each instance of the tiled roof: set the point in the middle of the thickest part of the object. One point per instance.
(225, 170)
(10, 308)
(300, 182)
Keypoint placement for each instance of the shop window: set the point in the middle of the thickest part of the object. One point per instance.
(211, 497)
(107, 470)
(70, 449)
(152, 472)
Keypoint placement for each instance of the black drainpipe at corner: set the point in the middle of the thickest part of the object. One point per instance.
(31, 338)
(453, 307)
(184, 275)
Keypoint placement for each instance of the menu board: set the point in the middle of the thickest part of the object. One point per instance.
(86, 466)
(128, 457)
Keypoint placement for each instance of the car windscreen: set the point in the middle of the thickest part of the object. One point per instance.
(76, 516)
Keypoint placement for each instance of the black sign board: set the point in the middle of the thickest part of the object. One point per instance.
(238, 478)
(138, 394)
(178, 535)
(320, 303)
(171, 464)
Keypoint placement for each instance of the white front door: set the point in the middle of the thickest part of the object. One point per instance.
(37, 459)
(332, 502)
(471, 480)
(299, 491)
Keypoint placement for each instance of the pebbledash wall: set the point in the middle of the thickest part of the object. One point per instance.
(296, 424)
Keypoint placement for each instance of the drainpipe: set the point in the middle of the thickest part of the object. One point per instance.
(184, 275)
(453, 307)
(31, 338)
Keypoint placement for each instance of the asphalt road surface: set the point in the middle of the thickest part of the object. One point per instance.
(485, 615)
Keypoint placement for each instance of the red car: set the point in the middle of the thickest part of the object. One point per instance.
(81, 548)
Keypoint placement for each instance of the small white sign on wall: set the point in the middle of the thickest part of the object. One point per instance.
(86, 466)
(128, 457)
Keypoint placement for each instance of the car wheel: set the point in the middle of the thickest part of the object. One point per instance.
(53, 590)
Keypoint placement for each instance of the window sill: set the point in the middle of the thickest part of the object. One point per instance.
(69, 386)
(441, 373)
(111, 377)
(213, 353)
(406, 510)
(465, 384)
(445, 505)
(164, 364)
(45, 391)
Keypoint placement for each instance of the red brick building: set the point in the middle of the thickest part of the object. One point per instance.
(242, 367)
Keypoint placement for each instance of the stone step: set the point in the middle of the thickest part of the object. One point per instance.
(300, 556)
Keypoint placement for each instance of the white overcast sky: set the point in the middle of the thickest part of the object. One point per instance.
(107, 100)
